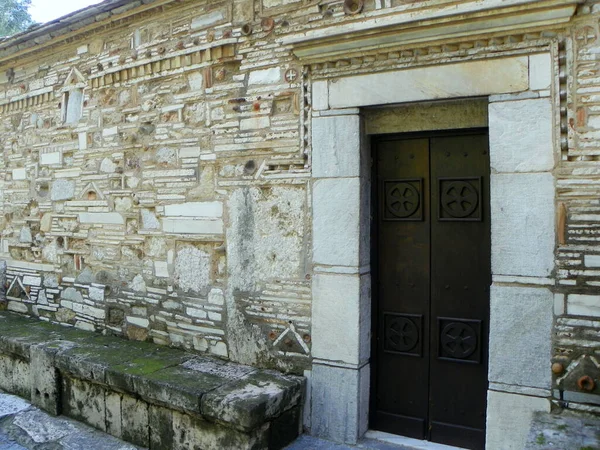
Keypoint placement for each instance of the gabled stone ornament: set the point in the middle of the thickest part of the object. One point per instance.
(290, 342)
(75, 80)
(91, 193)
(18, 288)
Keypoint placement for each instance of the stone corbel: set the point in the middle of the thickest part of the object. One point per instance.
(426, 23)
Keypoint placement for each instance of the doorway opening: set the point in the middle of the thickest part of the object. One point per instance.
(431, 261)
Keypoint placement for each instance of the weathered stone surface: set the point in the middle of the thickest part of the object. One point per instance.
(521, 136)
(336, 216)
(339, 411)
(520, 336)
(540, 71)
(134, 421)
(523, 199)
(62, 190)
(336, 140)
(342, 324)
(10, 404)
(192, 269)
(265, 235)
(445, 81)
(511, 412)
(583, 305)
(253, 400)
(84, 401)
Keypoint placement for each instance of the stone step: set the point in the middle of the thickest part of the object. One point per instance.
(151, 396)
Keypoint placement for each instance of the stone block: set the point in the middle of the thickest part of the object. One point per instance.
(45, 380)
(241, 404)
(339, 405)
(195, 209)
(84, 401)
(15, 376)
(176, 387)
(320, 95)
(341, 317)
(108, 218)
(523, 202)
(19, 174)
(192, 432)
(192, 226)
(591, 260)
(521, 136)
(467, 79)
(134, 421)
(285, 429)
(208, 19)
(51, 158)
(521, 336)
(336, 221)
(112, 402)
(583, 305)
(336, 146)
(160, 422)
(265, 76)
(62, 190)
(540, 71)
(509, 418)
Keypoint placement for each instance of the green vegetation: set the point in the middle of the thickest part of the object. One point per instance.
(14, 16)
(541, 439)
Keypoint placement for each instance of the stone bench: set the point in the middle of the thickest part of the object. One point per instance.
(151, 396)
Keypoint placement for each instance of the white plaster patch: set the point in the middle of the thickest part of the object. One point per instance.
(62, 190)
(192, 269)
(265, 235)
(149, 220)
(196, 81)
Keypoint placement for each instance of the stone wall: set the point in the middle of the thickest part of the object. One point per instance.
(157, 163)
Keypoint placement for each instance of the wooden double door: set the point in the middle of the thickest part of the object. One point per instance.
(431, 295)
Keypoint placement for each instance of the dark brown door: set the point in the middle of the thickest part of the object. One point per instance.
(432, 272)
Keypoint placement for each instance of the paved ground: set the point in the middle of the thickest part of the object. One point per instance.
(568, 430)
(24, 427)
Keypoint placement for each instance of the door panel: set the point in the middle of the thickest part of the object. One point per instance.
(460, 281)
(432, 297)
(403, 285)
